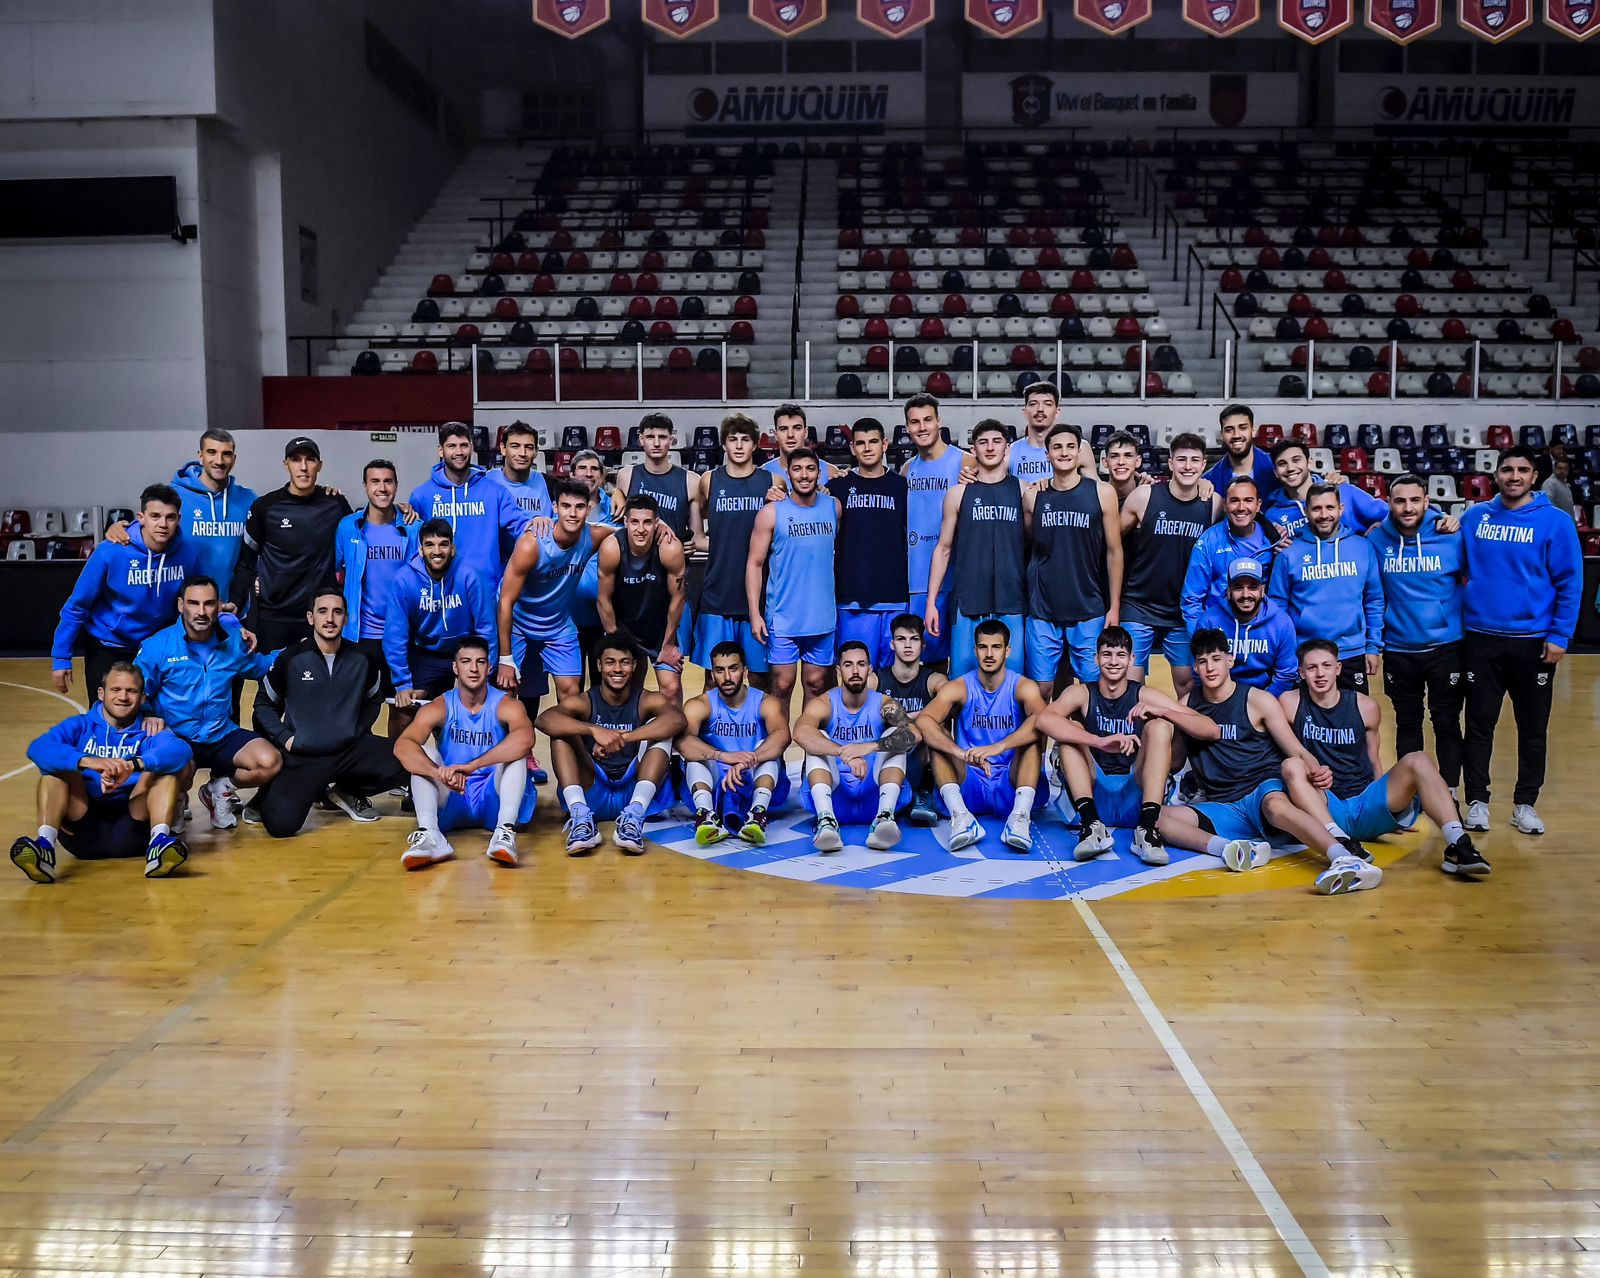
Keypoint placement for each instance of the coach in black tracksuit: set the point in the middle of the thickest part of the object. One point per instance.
(317, 705)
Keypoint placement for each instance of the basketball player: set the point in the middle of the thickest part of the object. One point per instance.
(1074, 565)
(662, 479)
(732, 496)
(519, 451)
(610, 748)
(856, 740)
(1260, 635)
(1240, 455)
(1116, 736)
(989, 763)
(1421, 567)
(479, 509)
(912, 684)
(1160, 525)
(1327, 580)
(434, 602)
(1291, 464)
(466, 752)
(107, 786)
(641, 591)
(732, 748)
(1122, 466)
(982, 547)
(214, 505)
(1242, 770)
(790, 432)
(798, 534)
(124, 594)
(1340, 728)
(1524, 582)
(872, 587)
(930, 474)
(1239, 536)
(374, 544)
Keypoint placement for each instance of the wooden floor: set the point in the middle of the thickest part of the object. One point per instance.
(299, 1060)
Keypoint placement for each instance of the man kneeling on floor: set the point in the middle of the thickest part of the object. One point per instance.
(106, 787)
(467, 753)
(609, 749)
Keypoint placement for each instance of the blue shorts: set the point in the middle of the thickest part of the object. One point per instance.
(216, 757)
(962, 629)
(432, 673)
(1174, 644)
(560, 654)
(871, 627)
(607, 796)
(814, 650)
(107, 830)
(934, 649)
(1047, 638)
(479, 807)
(1117, 796)
(1367, 815)
(856, 802)
(994, 795)
(710, 630)
(737, 802)
(1242, 819)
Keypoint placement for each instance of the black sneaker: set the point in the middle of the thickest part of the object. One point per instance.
(1355, 849)
(1461, 857)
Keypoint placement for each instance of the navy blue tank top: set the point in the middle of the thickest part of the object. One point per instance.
(1245, 757)
(623, 718)
(671, 492)
(912, 695)
(1067, 569)
(1338, 738)
(868, 570)
(1107, 717)
(641, 596)
(988, 560)
(1157, 557)
(730, 520)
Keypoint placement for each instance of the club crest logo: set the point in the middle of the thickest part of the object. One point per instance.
(1315, 20)
(571, 18)
(1221, 17)
(787, 17)
(1495, 20)
(1574, 18)
(1112, 16)
(894, 17)
(1403, 20)
(680, 13)
(1004, 17)
(679, 18)
(572, 12)
(788, 14)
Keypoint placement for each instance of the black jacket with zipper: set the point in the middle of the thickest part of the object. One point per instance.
(322, 708)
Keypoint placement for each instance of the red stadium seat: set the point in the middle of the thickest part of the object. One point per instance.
(544, 284)
(1335, 280)
(577, 260)
(680, 359)
(872, 259)
(849, 238)
(561, 462)
(1419, 258)
(1017, 237)
(608, 439)
(1268, 434)
(1318, 259)
(1254, 236)
(900, 304)
(1407, 307)
(876, 329)
(1268, 259)
(639, 308)
(755, 237)
(652, 261)
(1062, 304)
(932, 328)
(741, 331)
(502, 264)
(1083, 282)
(571, 361)
(527, 262)
(899, 260)
(1462, 281)
(610, 240)
(1030, 281)
(1124, 258)
(876, 357)
(970, 237)
(1153, 385)
(467, 335)
(846, 307)
(1300, 304)
(1563, 331)
(1475, 487)
(561, 241)
(1050, 255)
(1305, 432)
(901, 281)
(622, 282)
(1232, 280)
(441, 286)
(1378, 384)
(954, 304)
(646, 282)
(666, 307)
(424, 362)
(1023, 356)
(505, 308)
(1127, 327)
(1589, 359)
(1454, 329)
(1315, 328)
(1377, 485)
(661, 331)
(939, 383)
(745, 307)
(538, 360)
(1498, 437)
(1354, 461)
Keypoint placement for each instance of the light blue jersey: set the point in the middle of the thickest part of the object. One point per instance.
(465, 735)
(734, 728)
(800, 569)
(854, 727)
(544, 608)
(1029, 462)
(927, 483)
(987, 716)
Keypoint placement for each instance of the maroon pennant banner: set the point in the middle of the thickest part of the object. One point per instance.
(788, 17)
(1404, 20)
(680, 18)
(1494, 20)
(1573, 18)
(1004, 17)
(1112, 17)
(571, 18)
(894, 17)
(1316, 20)
(1221, 17)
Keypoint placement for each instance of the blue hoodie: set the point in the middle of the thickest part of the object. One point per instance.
(478, 511)
(213, 523)
(1261, 469)
(432, 615)
(1421, 584)
(1205, 585)
(57, 752)
(1360, 510)
(351, 544)
(1527, 569)
(1333, 590)
(124, 595)
(1263, 648)
(190, 685)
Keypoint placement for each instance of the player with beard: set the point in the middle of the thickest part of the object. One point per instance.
(930, 474)
(732, 749)
(1260, 635)
(1241, 457)
(1291, 463)
(1240, 535)
(912, 683)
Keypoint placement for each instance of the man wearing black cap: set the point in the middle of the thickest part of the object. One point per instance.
(289, 550)
(870, 575)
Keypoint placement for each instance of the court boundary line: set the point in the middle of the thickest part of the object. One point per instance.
(47, 692)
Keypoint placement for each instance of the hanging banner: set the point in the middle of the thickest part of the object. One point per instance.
(1404, 20)
(894, 17)
(1111, 17)
(788, 17)
(1316, 20)
(1494, 20)
(1221, 17)
(1573, 18)
(680, 18)
(1004, 17)
(571, 17)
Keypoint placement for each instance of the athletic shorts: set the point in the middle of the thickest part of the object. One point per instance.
(1242, 818)
(479, 807)
(963, 632)
(1367, 815)
(814, 650)
(432, 673)
(868, 626)
(1117, 796)
(737, 802)
(996, 794)
(108, 829)
(560, 654)
(216, 757)
(1174, 641)
(607, 796)
(710, 630)
(1046, 640)
(934, 648)
(855, 802)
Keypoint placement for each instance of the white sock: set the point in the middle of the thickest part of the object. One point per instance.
(425, 798)
(953, 802)
(699, 778)
(643, 792)
(1022, 805)
(1333, 828)
(575, 797)
(1452, 830)
(1215, 844)
(160, 828)
(822, 797)
(511, 783)
(48, 833)
(888, 796)
(760, 798)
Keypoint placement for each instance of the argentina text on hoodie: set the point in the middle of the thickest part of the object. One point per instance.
(190, 684)
(1332, 589)
(433, 615)
(213, 523)
(1421, 584)
(58, 751)
(1359, 510)
(124, 595)
(1263, 646)
(1524, 570)
(1206, 582)
(477, 510)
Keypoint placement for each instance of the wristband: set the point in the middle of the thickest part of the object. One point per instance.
(508, 661)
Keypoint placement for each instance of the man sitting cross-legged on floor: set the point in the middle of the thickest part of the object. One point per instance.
(467, 755)
(1340, 727)
(610, 747)
(1242, 771)
(1116, 739)
(856, 742)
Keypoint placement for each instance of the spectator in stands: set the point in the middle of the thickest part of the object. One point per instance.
(1556, 487)
(1291, 464)
(1238, 536)
(434, 602)
(1240, 455)
(1260, 635)
(478, 510)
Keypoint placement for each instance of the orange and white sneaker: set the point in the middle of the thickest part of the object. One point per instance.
(503, 845)
(424, 848)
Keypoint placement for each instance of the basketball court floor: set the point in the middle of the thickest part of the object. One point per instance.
(294, 1058)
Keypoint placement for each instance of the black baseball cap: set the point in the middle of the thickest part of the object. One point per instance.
(301, 444)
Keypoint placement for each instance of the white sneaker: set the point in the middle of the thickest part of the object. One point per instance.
(1018, 834)
(964, 832)
(885, 832)
(1477, 817)
(1246, 854)
(503, 845)
(425, 847)
(1347, 874)
(826, 838)
(215, 795)
(1096, 839)
(1524, 818)
(1150, 849)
